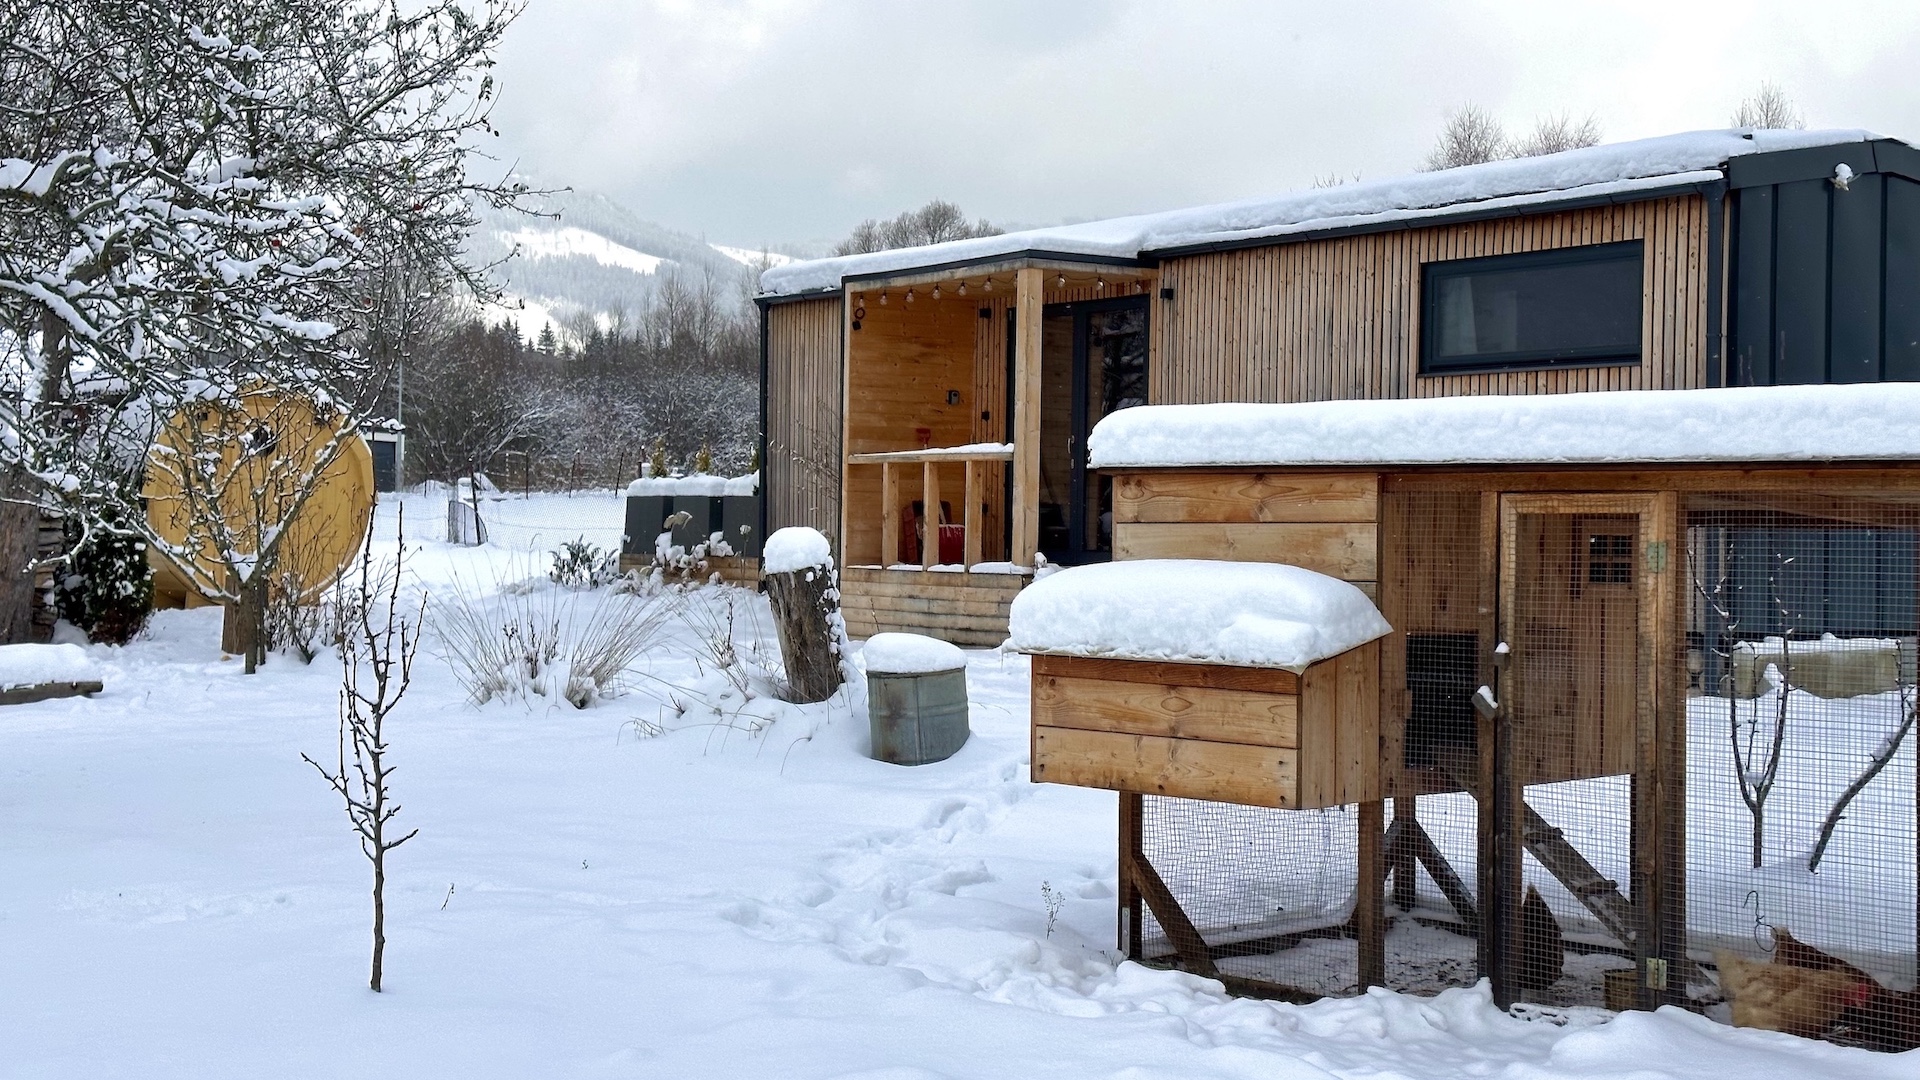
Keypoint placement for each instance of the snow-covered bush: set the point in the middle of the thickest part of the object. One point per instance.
(107, 587)
(578, 564)
(535, 638)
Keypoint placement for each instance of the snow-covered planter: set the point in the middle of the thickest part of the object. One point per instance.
(1251, 683)
(718, 514)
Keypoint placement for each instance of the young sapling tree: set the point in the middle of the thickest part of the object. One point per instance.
(376, 666)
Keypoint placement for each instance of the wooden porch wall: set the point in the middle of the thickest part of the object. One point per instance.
(802, 477)
(1340, 319)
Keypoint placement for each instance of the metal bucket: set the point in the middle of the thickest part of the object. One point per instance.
(919, 718)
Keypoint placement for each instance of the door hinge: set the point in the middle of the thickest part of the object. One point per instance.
(1657, 556)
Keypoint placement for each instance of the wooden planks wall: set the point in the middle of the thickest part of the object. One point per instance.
(1326, 522)
(802, 477)
(1340, 318)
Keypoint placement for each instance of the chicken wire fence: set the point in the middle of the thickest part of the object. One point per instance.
(1692, 779)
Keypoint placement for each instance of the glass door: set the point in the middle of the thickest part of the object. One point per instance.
(1093, 362)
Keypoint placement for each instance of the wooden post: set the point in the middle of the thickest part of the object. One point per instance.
(1659, 789)
(889, 514)
(1131, 832)
(1029, 297)
(806, 611)
(1487, 952)
(930, 517)
(970, 519)
(1400, 861)
(1369, 920)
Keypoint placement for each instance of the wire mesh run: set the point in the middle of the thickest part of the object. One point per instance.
(1691, 780)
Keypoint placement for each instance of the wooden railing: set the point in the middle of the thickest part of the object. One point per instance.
(974, 459)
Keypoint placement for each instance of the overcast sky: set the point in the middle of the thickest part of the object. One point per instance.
(787, 121)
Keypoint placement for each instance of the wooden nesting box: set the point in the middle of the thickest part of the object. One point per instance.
(1255, 736)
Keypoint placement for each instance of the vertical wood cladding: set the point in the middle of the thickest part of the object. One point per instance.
(1340, 318)
(804, 407)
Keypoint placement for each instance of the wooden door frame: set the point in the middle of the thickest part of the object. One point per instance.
(1658, 836)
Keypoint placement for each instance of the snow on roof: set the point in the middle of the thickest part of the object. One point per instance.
(1872, 421)
(1594, 171)
(1195, 611)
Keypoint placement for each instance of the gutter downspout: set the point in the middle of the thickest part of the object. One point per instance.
(1716, 276)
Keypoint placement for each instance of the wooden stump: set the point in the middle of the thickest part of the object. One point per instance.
(806, 608)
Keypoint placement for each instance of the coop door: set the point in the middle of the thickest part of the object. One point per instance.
(1578, 582)
(1573, 605)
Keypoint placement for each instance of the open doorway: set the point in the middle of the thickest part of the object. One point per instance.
(1093, 361)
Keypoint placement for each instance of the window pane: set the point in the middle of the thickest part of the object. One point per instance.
(1576, 306)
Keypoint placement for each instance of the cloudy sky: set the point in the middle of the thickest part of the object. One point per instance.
(787, 121)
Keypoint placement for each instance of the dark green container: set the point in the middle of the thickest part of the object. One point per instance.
(918, 718)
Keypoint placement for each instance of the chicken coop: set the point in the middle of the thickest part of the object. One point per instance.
(1639, 729)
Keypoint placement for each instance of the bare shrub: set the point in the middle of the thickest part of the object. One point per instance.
(536, 638)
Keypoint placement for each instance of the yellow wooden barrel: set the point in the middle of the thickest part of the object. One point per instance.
(225, 476)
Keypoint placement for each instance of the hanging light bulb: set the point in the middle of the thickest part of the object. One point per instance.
(988, 287)
(1061, 281)
(936, 292)
(909, 296)
(962, 290)
(1099, 284)
(883, 298)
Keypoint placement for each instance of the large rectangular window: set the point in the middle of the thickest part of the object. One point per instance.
(1569, 307)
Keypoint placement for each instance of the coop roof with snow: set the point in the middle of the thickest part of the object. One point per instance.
(1757, 424)
(1195, 611)
(1615, 172)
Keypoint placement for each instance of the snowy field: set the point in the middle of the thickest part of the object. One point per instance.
(674, 883)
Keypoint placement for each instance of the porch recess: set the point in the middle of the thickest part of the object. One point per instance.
(944, 411)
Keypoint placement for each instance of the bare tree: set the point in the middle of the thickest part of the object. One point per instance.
(1471, 137)
(1552, 134)
(934, 223)
(1769, 107)
(384, 642)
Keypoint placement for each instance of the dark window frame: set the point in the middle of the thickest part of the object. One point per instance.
(1432, 274)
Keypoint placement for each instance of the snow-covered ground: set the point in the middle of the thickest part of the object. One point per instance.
(744, 894)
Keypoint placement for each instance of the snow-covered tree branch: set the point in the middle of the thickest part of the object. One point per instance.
(203, 200)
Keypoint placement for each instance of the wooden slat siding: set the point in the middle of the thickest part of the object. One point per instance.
(1173, 712)
(804, 415)
(1342, 549)
(1245, 496)
(1206, 676)
(966, 609)
(1183, 768)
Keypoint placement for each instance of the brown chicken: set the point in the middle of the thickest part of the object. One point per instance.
(1888, 1019)
(1781, 997)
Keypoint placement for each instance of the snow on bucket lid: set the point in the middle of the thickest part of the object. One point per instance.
(1195, 611)
(910, 654)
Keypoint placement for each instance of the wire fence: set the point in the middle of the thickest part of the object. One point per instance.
(1693, 780)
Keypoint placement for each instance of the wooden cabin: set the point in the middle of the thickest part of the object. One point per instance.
(967, 376)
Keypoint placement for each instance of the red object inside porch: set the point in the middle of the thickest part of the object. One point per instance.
(953, 538)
